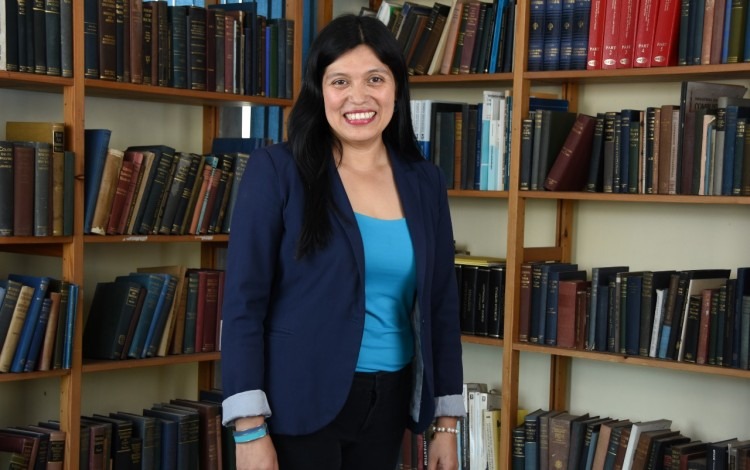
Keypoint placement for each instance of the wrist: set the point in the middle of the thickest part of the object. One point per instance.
(251, 434)
(240, 424)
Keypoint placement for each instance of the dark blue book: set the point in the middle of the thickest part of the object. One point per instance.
(731, 164)
(188, 442)
(161, 314)
(154, 284)
(536, 37)
(553, 283)
(168, 437)
(240, 163)
(742, 289)
(96, 142)
(112, 309)
(695, 38)
(122, 435)
(191, 312)
(539, 299)
(157, 182)
(235, 144)
(11, 33)
(553, 13)
(531, 455)
(147, 430)
(580, 41)
(40, 285)
(631, 320)
(510, 36)
(599, 316)
(739, 156)
(37, 339)
(566, 34)
(70, 317)
(52, 36)
(178, 36)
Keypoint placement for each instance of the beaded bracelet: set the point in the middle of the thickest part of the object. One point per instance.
(444, 429)
(252, 434)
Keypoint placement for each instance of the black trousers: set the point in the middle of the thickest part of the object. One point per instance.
(366, 435)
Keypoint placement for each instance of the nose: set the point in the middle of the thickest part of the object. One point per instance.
(358, 92)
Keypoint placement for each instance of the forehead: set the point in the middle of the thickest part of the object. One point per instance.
(361, 59)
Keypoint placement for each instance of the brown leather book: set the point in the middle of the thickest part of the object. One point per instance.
(570, 169)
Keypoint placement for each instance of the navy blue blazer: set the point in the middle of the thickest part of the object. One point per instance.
(292, 327)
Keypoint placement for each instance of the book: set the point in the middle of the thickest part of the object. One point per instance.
(173, 329)
(40, 285)
(666, 34)
(695, 95)
(121, 441)
(145, 431)
(568, 172)
(112, 309)
(107, 188)
(96, 145)
(635, 435)
(210, 429)
(555, 127)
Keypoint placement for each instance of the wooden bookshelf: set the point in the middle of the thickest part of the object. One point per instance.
(568, 206)
(72, 94)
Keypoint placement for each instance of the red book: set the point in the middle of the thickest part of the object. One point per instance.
(23, 190)
(704, 325)
(470, 37)
(205, 325)
(644, 33)
(118, 200)
(569, 172)
(137, 158)
(596, 35)
(568, 313)
(628, 21)
(666, 33)
(611, 34)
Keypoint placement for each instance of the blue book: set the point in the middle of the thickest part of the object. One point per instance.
(631, 313)
(733, 113)
(188, 435)
(477, 183)
(599, 315)
(553, 13)
(725, 38)
(71, 317)
(235, 144)
(191, 312)
(275, 123)
(742, 289)
(169, 432)
(580, 36)
(500, 8)
(536, 36)
(154, 284)
(96, 142)
(91, 38)
(38, 337)
(566, 34)
(539, 313)
(739, 156)
(40, 284)
(161, 314)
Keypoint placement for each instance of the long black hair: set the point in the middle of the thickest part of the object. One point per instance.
(309, 134)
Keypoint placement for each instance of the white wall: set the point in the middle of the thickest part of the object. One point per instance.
(643, 236)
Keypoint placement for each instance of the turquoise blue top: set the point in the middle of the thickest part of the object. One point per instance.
(390, 283)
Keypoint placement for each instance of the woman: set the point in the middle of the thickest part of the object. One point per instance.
(340, 318)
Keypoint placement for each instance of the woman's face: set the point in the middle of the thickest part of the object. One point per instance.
(359, 92)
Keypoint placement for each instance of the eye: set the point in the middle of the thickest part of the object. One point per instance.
(377, 79)
(338, 82)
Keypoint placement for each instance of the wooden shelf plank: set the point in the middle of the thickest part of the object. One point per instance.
(100, 366)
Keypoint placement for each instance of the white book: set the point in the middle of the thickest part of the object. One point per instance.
(635, 433)
(661, 302)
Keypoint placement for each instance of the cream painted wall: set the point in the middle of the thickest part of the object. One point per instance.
(643, 236)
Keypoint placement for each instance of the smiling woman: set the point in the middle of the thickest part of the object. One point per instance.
(340, 282)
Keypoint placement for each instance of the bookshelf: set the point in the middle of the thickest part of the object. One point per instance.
(134, 112)
(596, 229)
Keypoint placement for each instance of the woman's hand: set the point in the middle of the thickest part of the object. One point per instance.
(257, 455)
(443, 452)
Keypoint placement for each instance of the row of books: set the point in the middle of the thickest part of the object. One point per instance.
(700, 316)
(230, 48)
(452, 37)
(558, 439)
(481, 291)
(696, 147)
(478, 437)
(613, 34)
(36, 180)
(155, 311)
(153, 189)
(37, 39)
(37, 323)
(471, 142)
(179, 434)
(33, 446)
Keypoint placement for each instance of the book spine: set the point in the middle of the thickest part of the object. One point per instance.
(53, 37)
(644, 33)
(536, 36)
(6, 189)
(666, 33)
(566, 34)
(107, 40)
(626, 35)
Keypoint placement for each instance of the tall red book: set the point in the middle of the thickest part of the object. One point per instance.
(596, 35)
(643, 42)
(570, 169)
(611, 33)
(629, 10)
(667, 30)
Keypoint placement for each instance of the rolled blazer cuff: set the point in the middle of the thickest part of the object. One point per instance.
(245, 404)
(450, 405)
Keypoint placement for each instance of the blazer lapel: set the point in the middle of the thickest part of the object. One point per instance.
(344, 215)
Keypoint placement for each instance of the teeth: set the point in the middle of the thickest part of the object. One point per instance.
(360, 116)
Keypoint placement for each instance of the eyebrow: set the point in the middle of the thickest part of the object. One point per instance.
(346, 74)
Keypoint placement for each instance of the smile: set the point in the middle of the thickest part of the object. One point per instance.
(359, 116)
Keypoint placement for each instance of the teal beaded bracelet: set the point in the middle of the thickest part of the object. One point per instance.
(252, 434)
